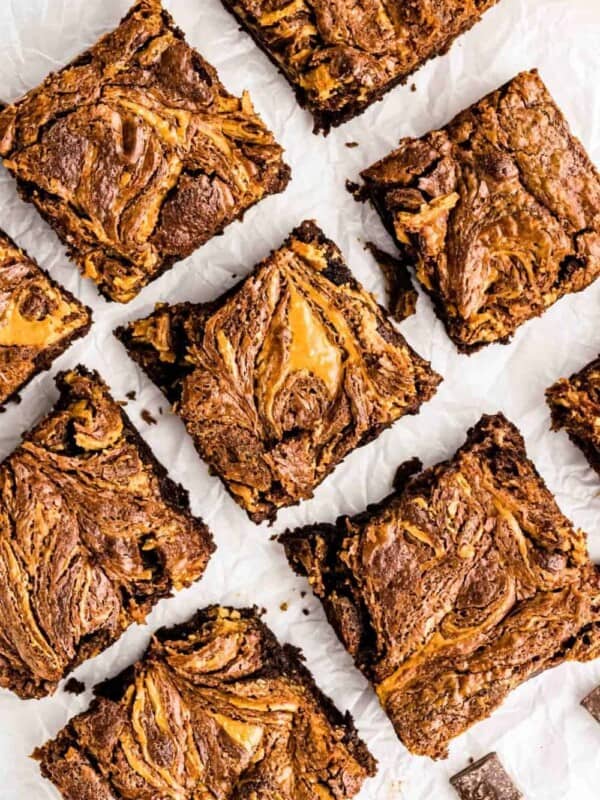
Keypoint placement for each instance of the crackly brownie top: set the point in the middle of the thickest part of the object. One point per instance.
(37, 318)
(341, 55)
(286, 375)
(216, 708)
(92, 534)
(456, 589)
(575, 406)
(500, 209)
(136, 154)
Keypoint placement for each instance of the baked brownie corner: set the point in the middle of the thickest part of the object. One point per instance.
(499, 211)
(460, 586)
(137, 155)
(226, 712)
(340, 58)
(96, 534)
(285, 375)
(39, 319)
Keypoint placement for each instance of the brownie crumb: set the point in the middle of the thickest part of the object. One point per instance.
(284, 607)
(402, 295)
(413, 87)
(357, 191)
(303, 594)
(73, 686)
(351, 144)
(306, 612)
(147, 417)
(131, 395)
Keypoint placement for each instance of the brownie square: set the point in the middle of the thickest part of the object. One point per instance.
(591, 703)
(341, 57)
(283, 376)
(499, 212)
(464, 583)
(92, 534)
(575, 406)
(38, 319)
(485, 780)
(136, 154)
(215, 708)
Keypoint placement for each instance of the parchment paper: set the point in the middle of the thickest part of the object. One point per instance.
(547, 742)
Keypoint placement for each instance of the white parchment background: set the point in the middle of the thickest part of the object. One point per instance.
(548, 743)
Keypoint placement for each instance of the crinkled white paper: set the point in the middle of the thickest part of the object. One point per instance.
(547, 742)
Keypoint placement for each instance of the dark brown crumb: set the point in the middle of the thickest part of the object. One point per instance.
(73, 686)
(131, 395)
(302, 594)
(351, 144)
(147, 417)
(357, 191)
(402, 295)
(306, 612)
(413, 87)
(284, 607)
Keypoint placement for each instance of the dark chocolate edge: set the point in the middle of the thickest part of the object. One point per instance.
(325, 120)
(339, 273)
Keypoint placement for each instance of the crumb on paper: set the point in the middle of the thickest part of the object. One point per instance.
(131, 395)
(147, 417)
(73, 686)
(402, 295)
(357, 191)
(413, 87)
(306, 612)
(351, 144)
(284, 607)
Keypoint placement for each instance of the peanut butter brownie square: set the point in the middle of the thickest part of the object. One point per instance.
(38, 319)
(499, 212)
(92, 534)
(575, 406)
(216, 708)
(280, 379)
(136, 154)
(463, 584)
(340, 57)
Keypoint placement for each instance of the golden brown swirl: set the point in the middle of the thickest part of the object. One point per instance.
(279, 381)
(215, 709)
(92, 535)
(456, 589)
(341, 55)
(38, 319)
(136, 154)
(500, 211)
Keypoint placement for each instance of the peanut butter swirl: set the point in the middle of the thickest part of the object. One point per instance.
(499, 211)
(215, 709)
(92, 535)
(280, 380)
(38, 319)
(459, 587)
(341, 55)
(136, 154)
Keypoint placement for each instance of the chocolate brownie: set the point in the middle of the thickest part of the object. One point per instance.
(215, 708)
(136, 154)
(575, 406)
(285, 375)
(591, 703)
(38, 319)
(460, 586)
(486, 779)
(93, 533)
(499, 211)
(340, 57)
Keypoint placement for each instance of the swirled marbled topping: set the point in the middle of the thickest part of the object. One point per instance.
(458, 588)
(500, 212)
(38, 319)
(215, 709)
(136, 154)
(92, 535)
(341, 55)
(281, 379)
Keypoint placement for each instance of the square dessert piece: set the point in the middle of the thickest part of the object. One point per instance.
(575, 406)
(38, 319)
(341, 57)
(460, 586)
(285, 375)
(499, 212)
(486, 779)
(216, 708)
(92, 534)
(136, 154)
